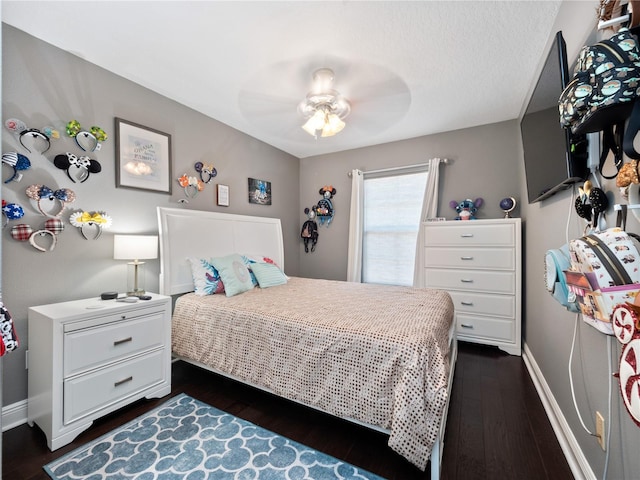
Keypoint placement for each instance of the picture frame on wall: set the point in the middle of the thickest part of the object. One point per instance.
(259, 191)
(223, 195)
(143, 157)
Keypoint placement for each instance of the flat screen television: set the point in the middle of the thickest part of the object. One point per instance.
(554, 158)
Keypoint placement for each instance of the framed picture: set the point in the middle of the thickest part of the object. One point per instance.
(223, 195)
(143, 157)
(259, 191)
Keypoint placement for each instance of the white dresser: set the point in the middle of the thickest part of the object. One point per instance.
(479, 263)
(89, 357)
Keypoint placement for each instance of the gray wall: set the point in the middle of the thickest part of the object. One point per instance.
(484, 163)
(43, 85)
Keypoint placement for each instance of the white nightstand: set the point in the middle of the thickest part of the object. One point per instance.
(89, 357)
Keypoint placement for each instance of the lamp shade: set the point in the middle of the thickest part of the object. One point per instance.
(135, 247)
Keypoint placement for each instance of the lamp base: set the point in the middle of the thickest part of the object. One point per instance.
(135, 279)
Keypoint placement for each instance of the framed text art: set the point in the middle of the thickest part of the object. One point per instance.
(143, 157)
(223, 195)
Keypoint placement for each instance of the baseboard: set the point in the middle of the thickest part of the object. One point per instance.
(575, 457)
(14, 415)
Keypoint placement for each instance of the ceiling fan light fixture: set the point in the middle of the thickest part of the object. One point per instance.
(323, 107)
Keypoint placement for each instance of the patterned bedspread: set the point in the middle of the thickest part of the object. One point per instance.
(374, 353)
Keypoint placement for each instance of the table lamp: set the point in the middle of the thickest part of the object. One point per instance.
(136, 248)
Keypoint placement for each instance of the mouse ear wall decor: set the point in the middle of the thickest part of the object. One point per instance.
(192, 186)
(206, 170)
(85, 221)
(18, 162)
(87, 140)
(38, 140)
(84, 166)
(11, 211)
(42, 192)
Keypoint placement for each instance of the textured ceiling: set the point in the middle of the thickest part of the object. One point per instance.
(408, 68)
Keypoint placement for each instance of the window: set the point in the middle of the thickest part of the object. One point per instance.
(392, 209)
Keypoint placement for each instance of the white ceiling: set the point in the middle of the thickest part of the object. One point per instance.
(408, 68)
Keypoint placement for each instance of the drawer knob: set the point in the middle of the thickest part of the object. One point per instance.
(123, 317)
(466, 280)
(467, 235)
(120, 342)
(466, 258)
(468, 304)
(466, 325)
(123, 381)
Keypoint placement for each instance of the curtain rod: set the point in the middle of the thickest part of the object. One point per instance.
(446, 161)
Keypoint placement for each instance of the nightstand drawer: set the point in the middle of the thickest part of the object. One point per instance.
(471, 280)
(487, 304)
(90, 348)
(491, 258)
(87, 394)
(470, 234)
(488, 328)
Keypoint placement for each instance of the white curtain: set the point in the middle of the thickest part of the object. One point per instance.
(356, 216)
(429, 210)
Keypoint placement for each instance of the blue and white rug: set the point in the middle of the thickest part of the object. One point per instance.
(185, 439)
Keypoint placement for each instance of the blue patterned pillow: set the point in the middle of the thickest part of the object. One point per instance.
(234, 274)
(206, 279)
(268, 274)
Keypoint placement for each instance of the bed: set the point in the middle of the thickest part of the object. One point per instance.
(379, 356)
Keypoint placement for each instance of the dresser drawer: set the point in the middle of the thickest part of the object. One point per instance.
(470, 234)
(488, 328)
(93, 347)
(486, 304)
(491, 258)
(86, 394)
(471, 280)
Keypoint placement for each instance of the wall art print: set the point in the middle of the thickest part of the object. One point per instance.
(259, 191)
(143, 157)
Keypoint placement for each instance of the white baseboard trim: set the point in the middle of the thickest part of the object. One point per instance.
(14, 415)
(575, 457)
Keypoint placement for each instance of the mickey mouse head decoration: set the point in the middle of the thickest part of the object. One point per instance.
(85, 166)
(324, 208)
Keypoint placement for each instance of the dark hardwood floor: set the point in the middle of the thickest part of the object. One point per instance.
(497, 427)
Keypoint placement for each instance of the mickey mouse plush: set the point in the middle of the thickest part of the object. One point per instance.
(466, 208)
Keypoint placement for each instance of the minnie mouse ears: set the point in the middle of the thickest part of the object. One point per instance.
(36, 139)
(87, 140)
(18, 162)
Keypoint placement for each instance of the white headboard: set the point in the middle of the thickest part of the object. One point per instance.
(200, 234)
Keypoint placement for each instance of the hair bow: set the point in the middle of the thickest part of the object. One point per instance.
(85, 220)
(18, 162)
(40, 192)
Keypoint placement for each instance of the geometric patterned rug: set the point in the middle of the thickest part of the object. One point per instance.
(185, 439)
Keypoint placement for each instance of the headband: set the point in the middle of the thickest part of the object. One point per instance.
(19, 128)
(67, 160)
(39, 192)
(18, 162)
(87, 140)
(191, 185)
(86, 220)
(24, 232)
(11, 211)
(205, 170)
